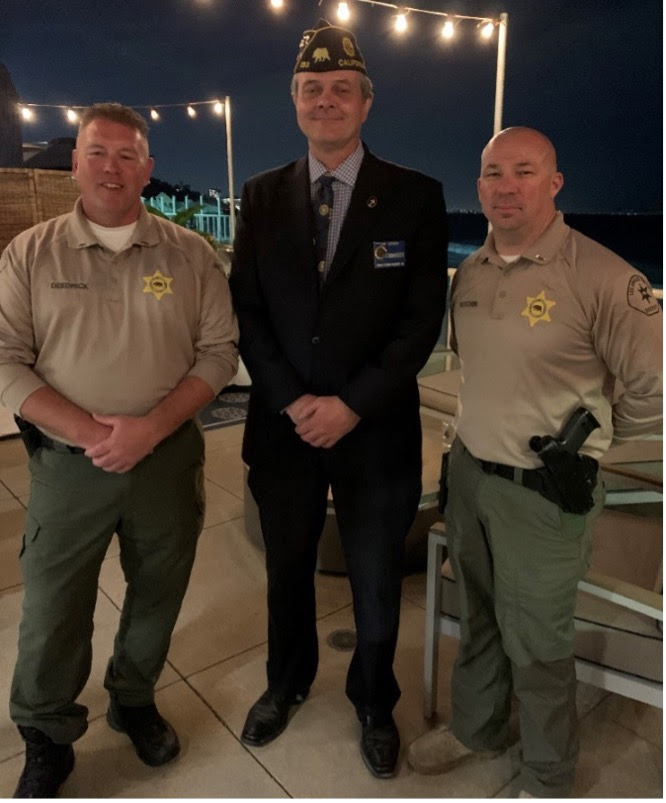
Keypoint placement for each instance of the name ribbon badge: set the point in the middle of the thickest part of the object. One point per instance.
(389, 254)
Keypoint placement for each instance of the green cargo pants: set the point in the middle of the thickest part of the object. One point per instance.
(517, 559)
(157, 511)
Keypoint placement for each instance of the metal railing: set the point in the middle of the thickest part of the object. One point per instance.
(211, 219)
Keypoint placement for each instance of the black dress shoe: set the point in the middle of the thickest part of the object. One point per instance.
(47, 765)
(154, 739)
(268, 717)
(380, 746)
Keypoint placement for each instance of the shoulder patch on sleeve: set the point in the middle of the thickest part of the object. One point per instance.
(639, 295)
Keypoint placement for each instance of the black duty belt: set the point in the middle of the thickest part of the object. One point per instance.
(531, 478)
(57, 446)
(542, 481)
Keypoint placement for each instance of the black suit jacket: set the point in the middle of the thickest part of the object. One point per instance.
(370, 329)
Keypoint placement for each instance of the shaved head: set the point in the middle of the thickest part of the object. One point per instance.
(517, 187)
(529, 136)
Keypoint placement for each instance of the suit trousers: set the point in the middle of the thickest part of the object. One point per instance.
(375, 503)
(517, 559)
(157, 511)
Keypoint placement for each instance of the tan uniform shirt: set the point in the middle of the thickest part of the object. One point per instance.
(547, 334)
(112, 332)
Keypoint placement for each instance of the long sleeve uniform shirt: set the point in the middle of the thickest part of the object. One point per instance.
(112, 332)
(548, 333)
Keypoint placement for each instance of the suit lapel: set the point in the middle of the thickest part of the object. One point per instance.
(371, 192)
(295, 214)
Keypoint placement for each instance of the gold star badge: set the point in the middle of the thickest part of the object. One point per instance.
(158, 285)
(538, 308)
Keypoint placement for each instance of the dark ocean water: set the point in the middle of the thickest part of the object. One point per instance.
(636, 238)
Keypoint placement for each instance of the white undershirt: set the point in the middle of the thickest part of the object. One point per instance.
(509, 259)
(115, 238)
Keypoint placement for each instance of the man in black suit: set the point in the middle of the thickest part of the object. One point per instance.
(339, 282)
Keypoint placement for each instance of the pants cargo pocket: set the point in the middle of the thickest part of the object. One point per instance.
(32, 528)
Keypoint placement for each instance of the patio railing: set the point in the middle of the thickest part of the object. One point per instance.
(211, 219)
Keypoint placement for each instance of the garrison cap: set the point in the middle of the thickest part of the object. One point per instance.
(328, 47)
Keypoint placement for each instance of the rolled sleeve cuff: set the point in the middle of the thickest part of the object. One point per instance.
(215, 373)
(18, 382)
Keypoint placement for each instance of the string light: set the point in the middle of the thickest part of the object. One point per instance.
(487, 30)
(485, 25)
(401, 21)
(448, 30)
(277, 4)
(343, 12)
(73, 113)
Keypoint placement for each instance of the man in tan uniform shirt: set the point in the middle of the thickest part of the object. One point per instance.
(544, 321)
(116, 327)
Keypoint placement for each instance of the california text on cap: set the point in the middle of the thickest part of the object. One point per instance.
(327, 47)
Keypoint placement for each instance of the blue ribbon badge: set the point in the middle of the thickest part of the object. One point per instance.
(389, 254)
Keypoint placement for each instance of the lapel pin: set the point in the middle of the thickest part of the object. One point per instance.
(372, 202)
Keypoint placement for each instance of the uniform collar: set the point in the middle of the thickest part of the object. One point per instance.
(80, 234)
(540, 252)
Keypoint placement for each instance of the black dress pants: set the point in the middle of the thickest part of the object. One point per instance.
(376, 490)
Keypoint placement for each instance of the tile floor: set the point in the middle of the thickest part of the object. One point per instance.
(215, 671)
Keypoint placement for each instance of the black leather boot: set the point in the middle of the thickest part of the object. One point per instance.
(47, 765)
(154, 740)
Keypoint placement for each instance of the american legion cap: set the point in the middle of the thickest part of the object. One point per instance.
(327, 47)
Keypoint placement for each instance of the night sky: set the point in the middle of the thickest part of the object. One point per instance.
(588, 73)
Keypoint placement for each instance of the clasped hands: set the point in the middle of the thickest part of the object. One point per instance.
(321, 421)
(124, 441)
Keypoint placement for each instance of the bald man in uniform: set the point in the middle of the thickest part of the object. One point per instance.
(544, 321)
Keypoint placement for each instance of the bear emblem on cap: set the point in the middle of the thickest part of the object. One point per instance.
(328, 47)
(321, 54)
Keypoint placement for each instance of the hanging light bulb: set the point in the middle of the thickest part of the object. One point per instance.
(71, 116)
(448, 30)
(154, 114)
(26, 113)
(277, 3)
(218, 107)
(487, 30)
(191, 111)
(343, 12)
(401, 22)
